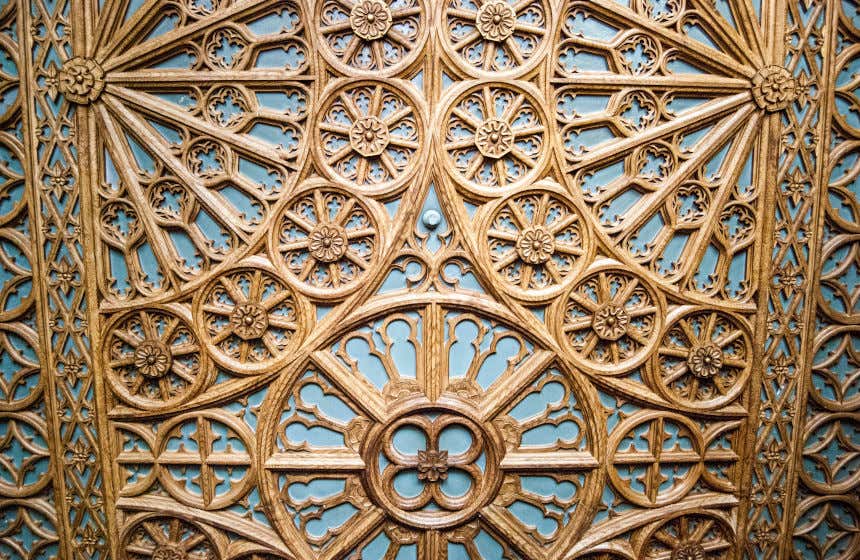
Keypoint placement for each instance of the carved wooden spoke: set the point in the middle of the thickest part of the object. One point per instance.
(154, 358)
(168, 538)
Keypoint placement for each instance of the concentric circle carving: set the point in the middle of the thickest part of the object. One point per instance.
(326, 239)
(379, 37)
(493, 135)
(535, 242)
(153, 358)
(250, 317)
(704, 358)
(495, 37)
(609, 320)
(370, 135)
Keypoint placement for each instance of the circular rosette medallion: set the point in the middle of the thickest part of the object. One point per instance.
(696, 535)
(153, 358)
(163, 537)
(495, 37)
(493, 135)
(429, 416)
(704, 358)
(370, 134)
(609, 320)
(535, 242)
(379, 37)
(326, 239)
(250, 317)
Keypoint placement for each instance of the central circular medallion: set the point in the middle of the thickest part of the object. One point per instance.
(689, 551)
(370, 19)
(169, 552)
(433, 465)
(494, 138)
(705, 361)
(152, 359)
(328, 242)
(369, 136)
(249, 321)
(496, 20)
(535, 245)
(610, 322)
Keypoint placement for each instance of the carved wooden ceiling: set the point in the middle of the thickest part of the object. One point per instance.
(417, 279)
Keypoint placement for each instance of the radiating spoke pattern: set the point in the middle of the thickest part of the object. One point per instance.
(162, 538)
(494, 137)
(154, 359)
(327, 239)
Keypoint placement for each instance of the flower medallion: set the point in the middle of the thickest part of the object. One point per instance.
(369, 136)
(535, 245)
(494, 138)
(774, 88)
(152, 359)
(370, 19)
(81, 80)
(496, 20)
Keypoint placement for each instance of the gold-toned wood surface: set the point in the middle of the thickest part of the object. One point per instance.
(425, 279)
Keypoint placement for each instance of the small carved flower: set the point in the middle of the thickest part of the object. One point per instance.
(496, 20)
(71, 368)
(64, 276)
(705, 361)
(432, 465)
(782, 369)
(58, 180)
(370, 19)
(688, 551)
(494, 138)
(79, 455)
(774, 88)
(774, 455)
(327, 243)
(535, 245)
(152, 359)
(81, 80)
(369, 136)
(610, 322)
(249, 321)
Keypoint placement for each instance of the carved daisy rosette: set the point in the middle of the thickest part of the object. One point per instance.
(610, 319)
(326, 240)
(370, 134)
(492, 136)
(495, 38)
(250, 317)
(535, 242)
(153, 359)
(704, 358)
(372, 37)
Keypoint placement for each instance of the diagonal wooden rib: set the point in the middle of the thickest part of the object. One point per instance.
(207, 198)
(357, 528)
(705, 113)
(147, 50)
(316, 460)
(548, 461)
(357, 388)
(156, 107)
(728, 36)
(705, 56)
(499, 519)
(704, 151)
(177, 77)
(707, 83)
(156, 236)
(509, 387)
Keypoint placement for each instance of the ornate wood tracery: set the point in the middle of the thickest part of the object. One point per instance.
(377, 279)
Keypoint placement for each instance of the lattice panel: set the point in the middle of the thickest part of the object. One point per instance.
(415, 279)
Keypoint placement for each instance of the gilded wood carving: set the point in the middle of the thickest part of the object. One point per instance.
(413, 279)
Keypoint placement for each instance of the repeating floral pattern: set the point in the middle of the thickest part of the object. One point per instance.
(400, 279)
